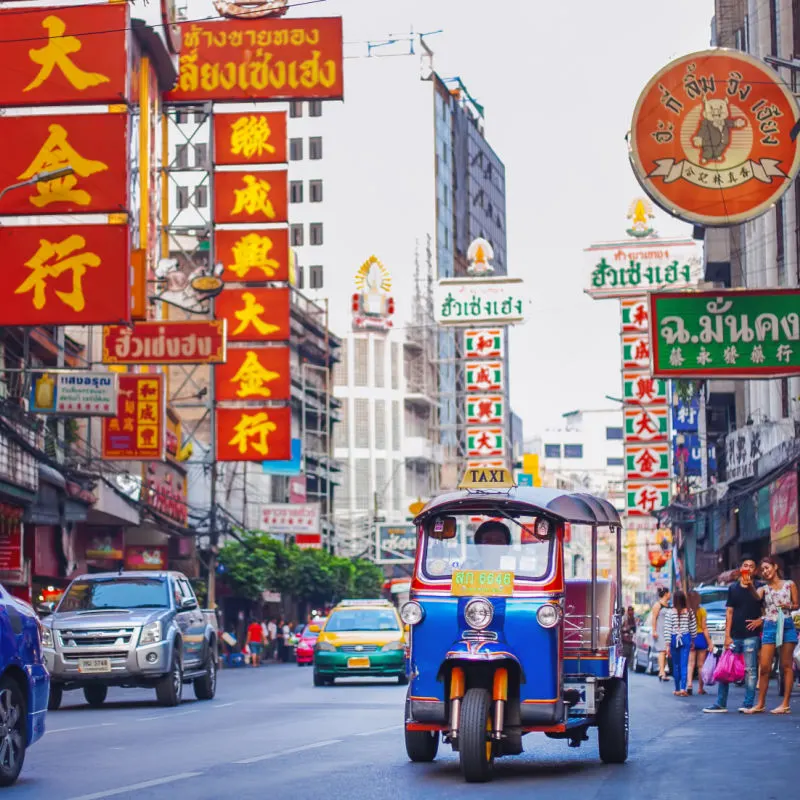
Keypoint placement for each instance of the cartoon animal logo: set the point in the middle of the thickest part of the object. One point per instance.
(242, 9)
(714, 134)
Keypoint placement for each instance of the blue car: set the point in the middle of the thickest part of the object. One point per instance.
(24, 684)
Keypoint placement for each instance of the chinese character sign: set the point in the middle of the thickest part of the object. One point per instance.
(485, 409)
(64, 56)
(255, 315)
(643, 498)
(483, 343)
(647, 462)
(635, 315)
(138, 430)
(250, 197)
(712, 137)
(639, 388)
(726, 334)
(485, 442)
(636, 351)
(167, 342)
(254, 434)
(645, 425)
(261, 59)
(685, 415)
(253, 256)
(254, 373)
(94, 145)
(252, 138)
(484, 376)
(65, 275)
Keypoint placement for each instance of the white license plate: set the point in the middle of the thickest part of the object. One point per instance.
(718, 638)
(91, 665)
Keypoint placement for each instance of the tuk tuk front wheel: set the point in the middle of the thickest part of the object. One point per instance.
(476, 749)
(422, 746)
(612, 724)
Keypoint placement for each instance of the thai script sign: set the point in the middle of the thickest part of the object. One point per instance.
(647, 461)
(646, 424)
(255, 315)
(622, 269)
(485, 442)
(65, 275)
(643, 498)
(164, 490)
(783, 513)
(483, 343)
(253, 256)
(726, 334)
(465, 301)
(137, 432)
(254, 138)
(64, 56)
(168, 342)
(83, 394)
(638, 388)
(254, 373)
(485, 409)
(254, 434)
(396, 544)
(711, 138)
(256, 196)
(94, 145)
(290, 518)
(265, 59)
(482, 582)
(484, 376)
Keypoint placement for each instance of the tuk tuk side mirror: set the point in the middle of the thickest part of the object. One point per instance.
(443, 528)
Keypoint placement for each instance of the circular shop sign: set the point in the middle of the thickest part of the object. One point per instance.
(710, 139)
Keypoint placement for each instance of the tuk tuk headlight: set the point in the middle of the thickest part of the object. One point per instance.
(548, 616)
(412, 613)
(479, 613)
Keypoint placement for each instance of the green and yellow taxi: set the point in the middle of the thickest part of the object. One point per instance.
(361, 638)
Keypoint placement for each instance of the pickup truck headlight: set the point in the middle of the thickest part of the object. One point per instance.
(47, 636)
(325, 647)
(398, 645)
(151, 633)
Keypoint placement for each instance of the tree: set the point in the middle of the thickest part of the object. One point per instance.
(368, 579)
(248, 564)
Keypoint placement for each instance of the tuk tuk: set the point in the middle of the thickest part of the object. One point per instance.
(500, 643)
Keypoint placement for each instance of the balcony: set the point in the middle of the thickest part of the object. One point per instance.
(418, 448)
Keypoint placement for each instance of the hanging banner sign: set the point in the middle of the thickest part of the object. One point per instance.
(485, 442)
(642, 499)
(255, 315)
(264, 59)
(484, 376)
(254, 434)
(646, 425)
(483, 343)
(137, 432)
(81, 394)
(636, 351)
(466, 301)
(712, 139)
(167, 342)
(485, 409)
(258, 138)
(647, 461)
(251, 196)
(255, 373)
(253, 256)
(639, 388)
(751, 333)
(783, 513)
(635, 315)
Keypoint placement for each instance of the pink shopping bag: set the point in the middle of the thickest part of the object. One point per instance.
(730, 667)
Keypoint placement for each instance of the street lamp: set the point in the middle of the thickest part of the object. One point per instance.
(47, 175)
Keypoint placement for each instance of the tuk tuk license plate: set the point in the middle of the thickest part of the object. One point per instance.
(358, 663)
(91, 665)
(482, 582)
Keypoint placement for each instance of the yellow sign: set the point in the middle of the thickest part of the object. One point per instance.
(487, 478)
(498, 583)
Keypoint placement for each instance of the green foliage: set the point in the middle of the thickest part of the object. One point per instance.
(367, 580)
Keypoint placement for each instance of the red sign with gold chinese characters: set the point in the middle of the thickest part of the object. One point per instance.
(255, 315)
(254, 373)
(65, 275)
(261, 59)
(711, 137)
(94, 145)
(251, 196)
(254, 434)
(138, 431)
(257, 138)
(251, 256)
(64, 56)
(165, 342)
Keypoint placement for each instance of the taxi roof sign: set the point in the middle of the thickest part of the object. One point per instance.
(487, 478)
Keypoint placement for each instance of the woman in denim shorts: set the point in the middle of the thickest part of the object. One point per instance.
(780, 599)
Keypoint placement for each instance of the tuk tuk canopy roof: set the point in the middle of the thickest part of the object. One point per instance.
(577, 508)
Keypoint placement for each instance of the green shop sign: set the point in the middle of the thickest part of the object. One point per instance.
(752, 333)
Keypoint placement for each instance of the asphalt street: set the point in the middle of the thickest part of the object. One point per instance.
(269, 733)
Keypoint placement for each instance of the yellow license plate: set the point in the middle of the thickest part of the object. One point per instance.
(358, 663)
(482, 582)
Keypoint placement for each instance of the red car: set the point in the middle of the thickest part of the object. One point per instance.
(304, 651)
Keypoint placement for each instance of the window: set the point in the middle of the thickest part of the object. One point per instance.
(360, 361)
(295, 149)
(380, 424)
(614, 434)
(315, 191)
(340, 430)
(182, 156)
(342, 491)
(201, 196)
(573, 451)
(615, 461)
(296, 109)
(315, 277)
(396, 425)
(395, 367)
(315, 148)
(362, 492)
(201, 155)
(182, 197)
(361, 414)
(397, 487)
(380, 481)
(315, 108)
(315, 233)
(379, 351)
(296, 232)
(552, 451)
(199, 116)
(340, 368)
(182, 117)
(296, 191)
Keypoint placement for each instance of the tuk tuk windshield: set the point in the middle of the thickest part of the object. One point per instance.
(522, 545)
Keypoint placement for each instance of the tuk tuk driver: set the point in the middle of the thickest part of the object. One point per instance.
(492, 532)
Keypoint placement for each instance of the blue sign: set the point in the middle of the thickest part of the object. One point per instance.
(693, 465)
(524, 479)
(291, 467)
(685, 415)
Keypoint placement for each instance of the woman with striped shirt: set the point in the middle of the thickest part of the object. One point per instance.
(680, 628)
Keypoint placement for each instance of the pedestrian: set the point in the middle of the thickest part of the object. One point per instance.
(628, 634)
(742, 624)
(281, 641)
(286, 635)
(778, 633)
(272, 630)
(255, 642)
(702, 644)
(265, 640)
(660, 642)
(680, 628)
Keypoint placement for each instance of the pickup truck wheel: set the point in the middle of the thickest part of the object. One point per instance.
(170, 688)
(56, 695)
(95, 694)
(12, 731)
(206, 687)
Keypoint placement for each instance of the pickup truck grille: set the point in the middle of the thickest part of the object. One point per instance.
(107, 637)
(74, 657)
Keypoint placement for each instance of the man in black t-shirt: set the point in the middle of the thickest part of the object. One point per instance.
(742, 634)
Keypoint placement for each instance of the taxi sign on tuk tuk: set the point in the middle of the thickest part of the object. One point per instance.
(487, 478)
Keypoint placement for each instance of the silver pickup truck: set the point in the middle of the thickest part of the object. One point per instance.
(132, 629)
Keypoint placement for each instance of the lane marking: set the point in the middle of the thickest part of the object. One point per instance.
(167, 715)
(293, 750)
(82, 727)
(136, 786)
(379, 730)
(225, 705)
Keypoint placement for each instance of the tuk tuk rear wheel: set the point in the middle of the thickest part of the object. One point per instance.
(422, 746)
(612, 724)
(476, 749)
